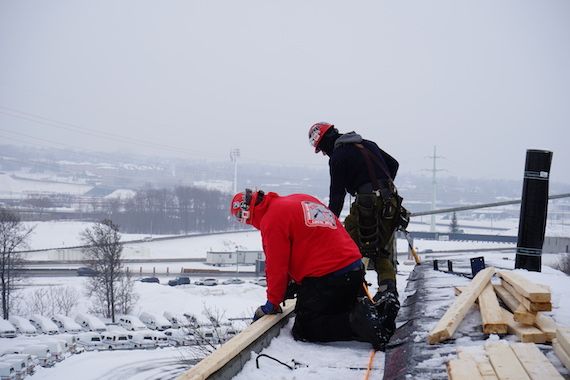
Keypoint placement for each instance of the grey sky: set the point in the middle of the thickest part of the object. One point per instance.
(483, 80)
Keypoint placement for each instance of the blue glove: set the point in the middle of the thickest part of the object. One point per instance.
(268, 308)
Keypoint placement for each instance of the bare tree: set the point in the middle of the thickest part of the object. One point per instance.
(126, 296)
(13, 235)
(56, 300)
(104, 253)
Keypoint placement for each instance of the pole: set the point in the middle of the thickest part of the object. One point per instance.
(534, 210)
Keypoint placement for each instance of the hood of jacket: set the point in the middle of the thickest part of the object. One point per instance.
(260, 210)
(348, 138)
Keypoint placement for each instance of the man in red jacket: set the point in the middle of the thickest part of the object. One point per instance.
(304, 242)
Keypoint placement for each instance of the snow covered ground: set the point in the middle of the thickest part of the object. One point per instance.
(335, 360)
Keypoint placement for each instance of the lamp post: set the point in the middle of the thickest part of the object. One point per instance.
(234, 155)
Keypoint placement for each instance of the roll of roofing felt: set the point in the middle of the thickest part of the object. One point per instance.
(534, 209)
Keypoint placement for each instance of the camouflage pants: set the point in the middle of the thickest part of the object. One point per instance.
(367, 219)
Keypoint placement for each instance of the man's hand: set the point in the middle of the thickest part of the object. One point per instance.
(268, 308)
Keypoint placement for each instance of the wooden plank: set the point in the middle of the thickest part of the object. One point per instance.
(531, 306)
(493, 319)
(521, 315)
(447, 325)
(463, 369)
(536, 365)
(505, 362)
(483, 364)
(491, 313)
(531, 290)
(217, 359)
(527, 334)
(563, 338)
(546, 325)
(561, 354)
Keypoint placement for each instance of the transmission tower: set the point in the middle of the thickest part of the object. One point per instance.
(434, 171)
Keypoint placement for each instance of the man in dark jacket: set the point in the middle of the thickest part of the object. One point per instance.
(304, 242)
(359, 167)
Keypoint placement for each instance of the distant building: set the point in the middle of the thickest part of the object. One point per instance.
(234, 258)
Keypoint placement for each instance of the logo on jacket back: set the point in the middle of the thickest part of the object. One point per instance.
(317, 215)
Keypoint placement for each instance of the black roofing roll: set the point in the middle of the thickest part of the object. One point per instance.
(534, 209)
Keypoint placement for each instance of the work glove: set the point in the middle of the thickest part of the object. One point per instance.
(292, 290)
(268, 308)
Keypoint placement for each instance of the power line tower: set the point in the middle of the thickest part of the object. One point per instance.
(234, 155)
(434, 171)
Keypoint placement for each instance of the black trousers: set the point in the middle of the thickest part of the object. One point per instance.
(323, 307)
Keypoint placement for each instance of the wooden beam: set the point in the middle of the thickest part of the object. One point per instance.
(528, 304)
(546, 325)
(533, 291)
(561, 354)
(563, 338)
(491, 313)
(521, 315)
(505, 362)
(493, 319)
(483, 364)
(447, 325)
(537, 366)
(463, 369)
(527, 334)
(233, 347)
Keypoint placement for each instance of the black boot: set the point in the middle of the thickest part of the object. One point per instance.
(367, 325)
(387, 305)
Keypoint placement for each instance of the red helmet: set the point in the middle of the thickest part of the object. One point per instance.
(243, 204)
(316, 133)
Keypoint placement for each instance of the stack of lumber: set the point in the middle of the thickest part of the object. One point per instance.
(526, 301)
(561, 346)
(503, 361)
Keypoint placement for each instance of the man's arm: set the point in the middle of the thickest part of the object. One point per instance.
(277, 247)
(337, 191)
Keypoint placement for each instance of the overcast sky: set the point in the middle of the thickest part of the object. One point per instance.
(484, 80)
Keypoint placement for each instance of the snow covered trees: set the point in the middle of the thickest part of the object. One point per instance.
(13, 235)
(110, 286)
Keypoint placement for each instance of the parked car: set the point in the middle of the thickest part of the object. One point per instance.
(177, 320)
(90, 323)
(180, 337)
(160, 338)
(29, 362)
(43, 325)
(151, 279)
(182, 280)
(116, 340)
(131, 322)
(154, 321)
(7, 329)
(233, 281)
(262, 281)
(19, 364)
(142, 339)
(57, 347)
(66, 324)
(206, 281)
(40, 351)
(22, 325)
(86, 271)
(7, 371)
(71, 341)
(89, 340)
